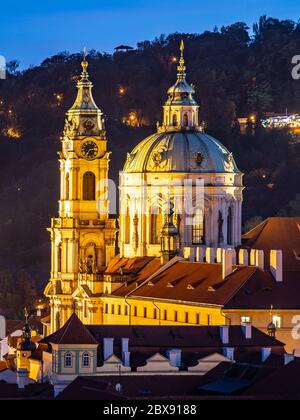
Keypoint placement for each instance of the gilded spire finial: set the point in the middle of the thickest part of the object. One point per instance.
(84, 63)
(181, 68)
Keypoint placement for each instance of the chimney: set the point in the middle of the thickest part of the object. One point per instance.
(224, 334)
(276, 265)
(243, 257)
(253, 257)
(22, 378)
(229, 353)
(2, 327)
(210, 255)
(265, 353)
(125, 344)
(288, 358)
(247, 330)
(199, 254)
(260, 259)
(108, 348)
(227, 263)
(219, 255)
(126, 358)
(175, 357)
(125, 352)
(186, 253)
(192, 256)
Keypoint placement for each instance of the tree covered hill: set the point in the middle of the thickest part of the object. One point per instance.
(234, 75)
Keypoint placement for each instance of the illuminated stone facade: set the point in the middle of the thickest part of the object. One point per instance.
(83, 236)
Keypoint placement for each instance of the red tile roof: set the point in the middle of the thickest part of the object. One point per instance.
(73, 332)
(191, 282)
(277, 233)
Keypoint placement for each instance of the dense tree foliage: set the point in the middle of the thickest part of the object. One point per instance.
(234, 75)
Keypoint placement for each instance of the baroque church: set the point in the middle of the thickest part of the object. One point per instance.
(156, 227)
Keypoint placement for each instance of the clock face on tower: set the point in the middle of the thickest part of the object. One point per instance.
(89, 150)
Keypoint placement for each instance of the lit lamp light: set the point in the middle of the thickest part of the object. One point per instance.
(264, 176)
(13, 133)
(252, 118)
(174, 59)
(121, 91)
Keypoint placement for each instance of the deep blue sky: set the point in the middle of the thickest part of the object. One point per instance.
(31, 30)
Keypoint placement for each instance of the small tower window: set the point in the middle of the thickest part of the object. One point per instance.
(156, 225)
(89, 186)
(68, 360)
(67, 195)
(174, 120)
(86, 360)
(198, 228)
(229, 226)
(185, 120)
(127, 227)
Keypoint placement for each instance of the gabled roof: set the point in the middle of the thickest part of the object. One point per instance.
(73, 332)
(277, 233)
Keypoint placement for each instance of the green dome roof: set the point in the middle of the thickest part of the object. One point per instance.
(182, 151)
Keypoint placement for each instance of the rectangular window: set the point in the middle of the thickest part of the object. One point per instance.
(176, 316)
(155, 313)
(198, 228)
(106, 308)
(277, 320)
(145, 312)
(165, 315)
(198, 319)
(135, 311)
(208, 319)
(186, 317)
(119, 310)
(126, 311)
(245, 320)
(113, 309)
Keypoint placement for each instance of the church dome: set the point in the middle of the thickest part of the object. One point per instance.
(189, 151)
(180, 144)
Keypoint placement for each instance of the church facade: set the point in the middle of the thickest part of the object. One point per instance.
(181, 198)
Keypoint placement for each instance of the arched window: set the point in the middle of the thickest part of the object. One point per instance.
(68, 360)
(59, 259)
(67, 195)
(89, 186)
(185, 120)
(156, 225)
(174, 120)
(229, 226)
(198, 228)
(127, 223)
(86, 360)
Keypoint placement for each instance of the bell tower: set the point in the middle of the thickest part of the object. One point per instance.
(83, 236)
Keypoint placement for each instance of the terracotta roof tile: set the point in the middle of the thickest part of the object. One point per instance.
(73, 332)
(281, 233)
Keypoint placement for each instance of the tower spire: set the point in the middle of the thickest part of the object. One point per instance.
(84, 65)
(181, 75)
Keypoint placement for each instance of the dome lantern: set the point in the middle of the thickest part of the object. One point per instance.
(181, 110)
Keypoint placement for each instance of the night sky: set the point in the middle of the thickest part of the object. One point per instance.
(33, 30)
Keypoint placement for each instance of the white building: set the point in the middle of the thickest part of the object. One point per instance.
(183, 166)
